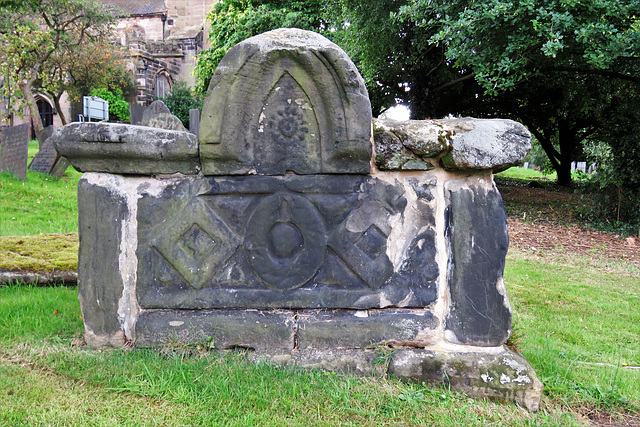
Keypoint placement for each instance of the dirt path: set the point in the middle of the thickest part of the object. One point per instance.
(542, 219)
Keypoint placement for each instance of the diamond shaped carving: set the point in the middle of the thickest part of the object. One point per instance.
(197, 243)
(372, 242)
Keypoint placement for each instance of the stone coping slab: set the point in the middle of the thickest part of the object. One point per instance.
(127, 149)
(454, 144)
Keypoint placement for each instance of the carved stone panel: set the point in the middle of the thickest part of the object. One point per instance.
(281, 242)
(286, 100)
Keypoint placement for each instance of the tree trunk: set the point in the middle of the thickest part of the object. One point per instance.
(567, 142)
(26, 88)
(564, 174)
(56, 102)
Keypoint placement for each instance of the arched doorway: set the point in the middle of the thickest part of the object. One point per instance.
(162, 86)
(46, 112)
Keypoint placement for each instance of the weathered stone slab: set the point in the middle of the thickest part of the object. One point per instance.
(353, 361)
(14, 150)
(127, 149)
(286, 100)
(101, 284)
(253, 330)
(476, 230)
(157, 115)
(409, 145)
(365, 328)
(43, 135)
(462, 144)
(277, 242)
(485, 144)
(194, 121)
(60, 167)
(500, 374)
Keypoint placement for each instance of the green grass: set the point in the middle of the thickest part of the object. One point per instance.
(577, 324)
(41, 360)
(41, 204)
(522, 174)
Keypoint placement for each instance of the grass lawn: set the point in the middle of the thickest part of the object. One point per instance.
(578, 324)
(41, 204)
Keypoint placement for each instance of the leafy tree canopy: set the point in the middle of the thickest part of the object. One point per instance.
(233, 21)
(565, 68)
(37, 36)
(556, 65)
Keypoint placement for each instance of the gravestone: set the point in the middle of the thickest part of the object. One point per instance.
(14, 150)
(194, 121)
(157, 115)
(43, 135)
(47, 159)
(285, 230)
(135, 113)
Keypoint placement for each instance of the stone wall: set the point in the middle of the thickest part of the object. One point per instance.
(289, 228)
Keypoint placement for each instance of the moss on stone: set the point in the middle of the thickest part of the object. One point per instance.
(39, 253)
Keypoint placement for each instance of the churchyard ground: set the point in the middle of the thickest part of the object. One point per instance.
(574, 293)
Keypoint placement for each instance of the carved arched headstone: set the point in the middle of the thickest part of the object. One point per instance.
(286, 100)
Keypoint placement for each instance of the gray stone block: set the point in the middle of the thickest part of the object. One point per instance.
(462, 144)
(282, 242)
(501, 375)
(100, 284)
(365, 328)
(476, 230)
(286, 100)
(127, 149)
(486, 144)
(252, 330)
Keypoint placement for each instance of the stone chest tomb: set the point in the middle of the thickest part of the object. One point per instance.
(295, 229)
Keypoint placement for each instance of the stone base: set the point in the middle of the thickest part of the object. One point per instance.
(495, 373)
(350, 341)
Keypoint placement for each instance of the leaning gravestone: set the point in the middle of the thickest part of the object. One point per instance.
(47, 159)
(282, 231)
(14, 150)
(44, 134)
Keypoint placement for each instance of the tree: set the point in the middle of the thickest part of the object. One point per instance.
(556, 65)
(32, 34)
(77, 71)
(396, 58)
(233, 21)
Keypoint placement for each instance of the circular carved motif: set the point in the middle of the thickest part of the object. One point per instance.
(285, 241)
(288, 125)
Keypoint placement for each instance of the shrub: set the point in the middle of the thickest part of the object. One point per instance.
(180, 100)
(118, 106)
